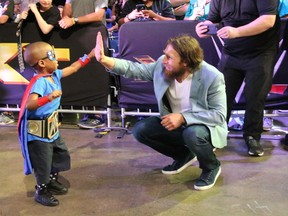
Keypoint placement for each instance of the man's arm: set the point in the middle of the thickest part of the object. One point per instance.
(68, 21)
(67, 10)
(259, 25)
(92, 17)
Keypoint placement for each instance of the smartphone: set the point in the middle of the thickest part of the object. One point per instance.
(140, 7)
(212, 29)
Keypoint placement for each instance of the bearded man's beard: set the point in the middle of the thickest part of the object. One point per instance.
(171, 75)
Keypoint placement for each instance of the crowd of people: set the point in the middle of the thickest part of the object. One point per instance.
(192, 123)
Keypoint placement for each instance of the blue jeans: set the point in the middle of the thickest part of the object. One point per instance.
(179, 143)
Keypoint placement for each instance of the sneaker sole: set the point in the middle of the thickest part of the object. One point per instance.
(193, 160)
(5, 123)
(208, 186)
(90, 127)
(256, 155)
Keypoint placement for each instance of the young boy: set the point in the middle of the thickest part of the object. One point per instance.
(44, 13)
(42, 147)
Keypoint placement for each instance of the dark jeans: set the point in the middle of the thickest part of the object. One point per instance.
(177, 144)
(48, 158)
(258, 73)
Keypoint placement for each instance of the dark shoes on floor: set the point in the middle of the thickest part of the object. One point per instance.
(44, 193)
(44, 197)
(254, 147)
(179, 165)
(207, 179)
(56, 188)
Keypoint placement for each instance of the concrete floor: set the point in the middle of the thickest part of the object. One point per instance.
(111, 176)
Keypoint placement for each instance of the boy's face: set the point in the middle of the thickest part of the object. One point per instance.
(45, 3)
(49, 62)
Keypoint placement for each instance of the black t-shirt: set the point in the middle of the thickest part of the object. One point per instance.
(51, 16)
(58, 2)
(237, 13)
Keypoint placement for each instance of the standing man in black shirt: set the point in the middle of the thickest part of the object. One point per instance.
(250, 30)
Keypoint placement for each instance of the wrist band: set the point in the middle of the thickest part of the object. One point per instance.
(84, 60)
(43, 100)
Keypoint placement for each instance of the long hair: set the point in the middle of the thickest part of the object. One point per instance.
(189, 50)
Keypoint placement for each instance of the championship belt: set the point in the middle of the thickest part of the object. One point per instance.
(45, 128)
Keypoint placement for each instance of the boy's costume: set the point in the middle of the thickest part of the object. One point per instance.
(22, 127)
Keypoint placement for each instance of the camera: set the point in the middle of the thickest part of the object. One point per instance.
(211, 29)
(140, 7)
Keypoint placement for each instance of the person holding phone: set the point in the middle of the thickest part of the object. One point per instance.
(251, 34)
(145, 10)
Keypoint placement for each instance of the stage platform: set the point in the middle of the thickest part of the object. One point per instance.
(121, 177)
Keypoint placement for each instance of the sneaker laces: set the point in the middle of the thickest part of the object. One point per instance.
(206, 175)
(252, 142)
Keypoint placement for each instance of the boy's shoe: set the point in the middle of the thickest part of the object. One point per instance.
(90, 122)
(207, 179)
(44, 197)
(6, 118)
(56, 188)
(267, 123)
(254, 147)
(179, 165)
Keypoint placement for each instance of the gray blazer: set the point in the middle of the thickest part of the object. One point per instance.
(207, 96)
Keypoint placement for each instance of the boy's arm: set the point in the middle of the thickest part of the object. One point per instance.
(81, 62)
(44, 26)
(34, 101)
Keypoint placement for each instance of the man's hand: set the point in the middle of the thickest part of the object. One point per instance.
(99, 49)
(201, 29)
(228, 32)
(172, 121)
(66, 22)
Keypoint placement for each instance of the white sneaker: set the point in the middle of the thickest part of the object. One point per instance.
(267, 123)
(6, 119)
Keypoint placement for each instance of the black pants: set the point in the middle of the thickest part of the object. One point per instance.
(257, 72)
(48, 158)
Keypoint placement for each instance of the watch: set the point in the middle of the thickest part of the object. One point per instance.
(75, 20)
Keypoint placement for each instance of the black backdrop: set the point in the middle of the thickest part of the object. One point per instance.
(88, 87)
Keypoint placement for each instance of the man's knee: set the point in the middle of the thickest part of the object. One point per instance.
(196, 135)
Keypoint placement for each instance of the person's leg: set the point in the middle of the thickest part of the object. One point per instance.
(258, 84)
(197, 138)
(60, 162)
(234, 78)
(150, 132)
(41, 160)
